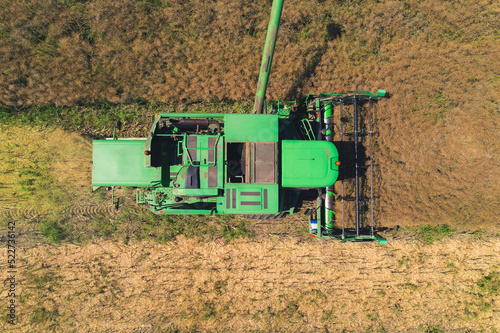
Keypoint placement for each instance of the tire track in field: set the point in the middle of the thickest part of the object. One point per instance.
(89, 210)
(83, 211)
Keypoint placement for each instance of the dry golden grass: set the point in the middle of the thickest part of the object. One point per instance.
(436, 152)
(40, 169)
(437, 137)
(67, 52)
(284, 286)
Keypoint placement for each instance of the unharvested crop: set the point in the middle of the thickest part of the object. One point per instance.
(436, 146)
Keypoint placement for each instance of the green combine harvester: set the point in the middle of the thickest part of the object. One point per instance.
(252, 164)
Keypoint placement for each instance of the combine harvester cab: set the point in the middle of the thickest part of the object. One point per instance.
(253, 164)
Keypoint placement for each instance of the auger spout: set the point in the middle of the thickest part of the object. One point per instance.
(267, 57)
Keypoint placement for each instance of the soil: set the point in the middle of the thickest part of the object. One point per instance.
(271, 285)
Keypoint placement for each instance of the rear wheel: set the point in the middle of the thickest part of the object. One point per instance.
(265, 216)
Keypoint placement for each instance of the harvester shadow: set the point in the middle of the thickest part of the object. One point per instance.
(333, 31)
(348, 161)
(307, 73)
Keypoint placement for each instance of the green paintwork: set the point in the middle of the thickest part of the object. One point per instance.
(380, 93)
(161, 200)
(307, 129)
(267, 56)
(283, 109)
(308, 163)
(207, 163)
(190, 115)
(251, 127)
(195, 192)
(328, 114)
(249, 199)
(348, 238)
(121, 163)
(362, 239)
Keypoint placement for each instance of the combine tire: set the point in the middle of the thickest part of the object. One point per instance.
(265, 216)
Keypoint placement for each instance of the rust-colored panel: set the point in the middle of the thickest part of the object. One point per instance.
(212, 176)
(250, 203)
(234, 198)
(264, 164)
(250, 193)
(192, 142)
(265, 152)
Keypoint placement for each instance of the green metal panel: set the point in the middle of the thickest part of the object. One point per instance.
(195, 192)
(251, 127)
(308, 163)
(191, 115)
(167, 198)
(121, 163)
(249, 199)
(169, 211)
(380, 93)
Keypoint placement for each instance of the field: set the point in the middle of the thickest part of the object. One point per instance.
(266, 285)
(70, 69)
